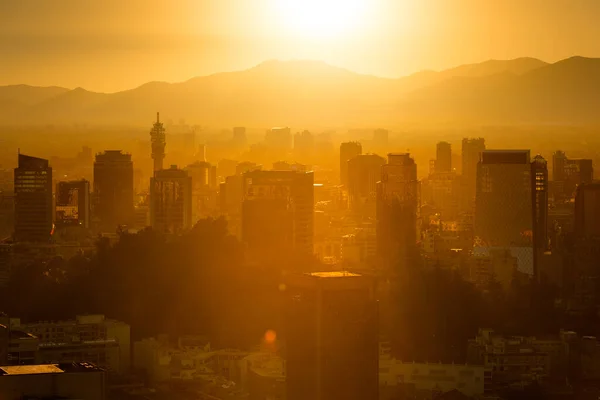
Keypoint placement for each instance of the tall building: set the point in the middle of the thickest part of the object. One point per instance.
(364, 171)
(398, 200)
(348, 151)
(113, 189)
(278, 211)
(239, 137)
(380, 138)
(587, 210)
(304, 146)
(539, 190)
(443, 157)
(279, 139)
(331, 321)
(73, 204)
(471, 153)
(171, 200)
(158, 140)
(33, 200)
(568, 173)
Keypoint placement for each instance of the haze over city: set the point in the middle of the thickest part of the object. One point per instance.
(299, 200)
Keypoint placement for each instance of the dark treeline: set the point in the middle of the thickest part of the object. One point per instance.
(200, 283)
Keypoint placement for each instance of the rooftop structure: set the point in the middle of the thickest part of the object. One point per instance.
(157, 138)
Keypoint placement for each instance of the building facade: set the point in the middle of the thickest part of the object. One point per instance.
(171, 201)
(113, 190)
(73, 206)
(348, 151)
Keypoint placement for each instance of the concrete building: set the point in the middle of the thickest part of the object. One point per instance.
(73, 204)
(204, 190)
(398, 201)
(587, 211)
(568, 173)
(443, 157)
(171, 201)
(539, 203)
(348, 151)
(113, 190)
(264, 376)
(87, 338)
(33, 200)
(65, 381)
(364, 171)
(278, 212)
(332, 337)
(471, 154)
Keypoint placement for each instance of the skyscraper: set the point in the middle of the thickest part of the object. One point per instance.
(397, 212)
(443, 157)
(364, 171)
(539, 190)
(278, 211)
(73, 204)
(279, 139)
(113, 189)
(587, 211)
(157, 137)
(33, 200)
(239, 137)
(471, 153)
(567, 173)
(348, 150)
(332, 337)
(171, 200)
(304, 146)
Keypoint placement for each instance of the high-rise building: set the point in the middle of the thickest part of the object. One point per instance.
(587, 210)
(157, 137)
(364, 171)
(568, 173)
(278, 211)
(471, 153)
(33, 200)
(443, 157)
(398, 201)
(380, 138)
(113, 189)
(332, 339)
(204, 191)
(348, 151)
(239, 137)
(539, 190)
(279, 139)
(171, 200)
(304, 146)
(73, 204)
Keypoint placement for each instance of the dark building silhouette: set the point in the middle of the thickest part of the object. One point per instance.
(171, 200)
(113, 189)
(443, 157)
(33, 199)
(397, 212)
(332, 342)
(348, 151)
(539, 191)
(587, 211)
(73, 204)
(158, 140)
(567, 173)
(471, 154)
(364, 171)
(278, 211)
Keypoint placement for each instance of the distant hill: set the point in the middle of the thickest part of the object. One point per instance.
(314, 93)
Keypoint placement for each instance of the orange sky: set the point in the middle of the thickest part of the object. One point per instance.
(112, 45)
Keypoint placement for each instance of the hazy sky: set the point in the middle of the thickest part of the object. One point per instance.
(110, 45)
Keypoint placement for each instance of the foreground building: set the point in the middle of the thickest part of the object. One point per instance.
(332, 337)
(33, 200)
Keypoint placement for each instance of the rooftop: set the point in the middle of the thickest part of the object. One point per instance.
(47, 369)
(332, 274)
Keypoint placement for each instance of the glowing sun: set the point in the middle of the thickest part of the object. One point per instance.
(321, 18)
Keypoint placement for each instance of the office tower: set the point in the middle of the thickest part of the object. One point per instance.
(239, 137)
(204, 190)
(73, 204)
(304, 146)
(33, 200)
(231, 196)
(471, 153)
(157, 137)
(171, 200)
(278, 212)
(113, 189)
(568, 173)
(348, 150)
(332, 343)
(397, 213)
(364, 171)
(380, 138)
(443, 157)
(279, 140)
(587, 210)
(539, 190)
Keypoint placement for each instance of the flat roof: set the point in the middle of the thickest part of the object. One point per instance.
(332, 274)
(48, 369)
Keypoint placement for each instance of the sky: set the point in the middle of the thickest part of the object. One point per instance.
(113, 45)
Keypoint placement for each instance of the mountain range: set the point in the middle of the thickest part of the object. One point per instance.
(309, 93)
